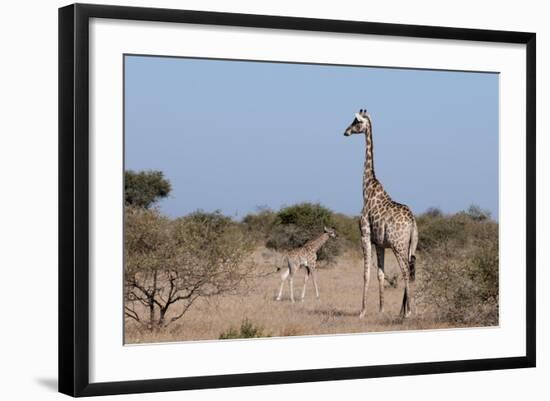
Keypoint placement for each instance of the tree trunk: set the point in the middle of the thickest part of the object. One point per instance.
(162, 314)
(151, 314)
(152, 302)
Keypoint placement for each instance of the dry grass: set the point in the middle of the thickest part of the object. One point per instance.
(336, 312)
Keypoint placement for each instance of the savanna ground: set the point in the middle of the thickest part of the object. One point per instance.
(336, 311)
(206, 277)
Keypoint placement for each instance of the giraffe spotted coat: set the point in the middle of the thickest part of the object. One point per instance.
(383, 224)
(305, 256)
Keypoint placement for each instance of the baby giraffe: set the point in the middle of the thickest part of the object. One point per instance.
(305, 256)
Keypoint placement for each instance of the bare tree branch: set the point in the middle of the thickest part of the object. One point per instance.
(171, 264)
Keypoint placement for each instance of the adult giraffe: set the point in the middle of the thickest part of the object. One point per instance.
(384, 223)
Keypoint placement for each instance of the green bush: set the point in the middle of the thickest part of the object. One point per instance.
(259, 225)
(292, 226)
(347, 228)
(289, 236)
(309, 216)
(460, 229)
(144, 188)
(435, 230)
(247, 330)
(297, 224)
(204, 227)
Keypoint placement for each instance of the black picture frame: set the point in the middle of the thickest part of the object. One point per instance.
(74, 198)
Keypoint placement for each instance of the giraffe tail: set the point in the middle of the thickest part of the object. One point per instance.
(412, 250)
(281, 263)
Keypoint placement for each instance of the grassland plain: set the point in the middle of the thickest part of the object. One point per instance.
(206, 277)
(336, 312)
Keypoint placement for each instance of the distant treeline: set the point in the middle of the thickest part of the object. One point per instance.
(292, 226)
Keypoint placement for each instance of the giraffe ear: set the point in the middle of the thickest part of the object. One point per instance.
(359, 117)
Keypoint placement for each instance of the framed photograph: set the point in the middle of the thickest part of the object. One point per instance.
(251, 199)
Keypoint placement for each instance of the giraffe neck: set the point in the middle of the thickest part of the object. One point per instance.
(316, 244)
(368, 173)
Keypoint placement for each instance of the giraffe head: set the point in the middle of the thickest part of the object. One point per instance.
(330, 231)
(360, 123)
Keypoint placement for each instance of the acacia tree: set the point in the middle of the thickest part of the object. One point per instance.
(171, 264)
(144, 188)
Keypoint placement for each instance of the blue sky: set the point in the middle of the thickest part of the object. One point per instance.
(234, 135)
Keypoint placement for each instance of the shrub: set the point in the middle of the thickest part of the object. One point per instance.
(434, 230)
(484, 272)
(286, 237)
(309, 216)
(460, 229)
(259, 225)
(458, 266)
(247, 330)
(433, 212)
(293, 226)
(461, 284)
(347, 228)
(297, 224)
(171, 264)
(478, 214)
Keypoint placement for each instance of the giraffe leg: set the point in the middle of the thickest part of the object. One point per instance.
(380, 256)
(314, 275)
(292, 270)
(367, 254)
(306, 278)
(291, 286)
(284, 276)
(403, 264)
